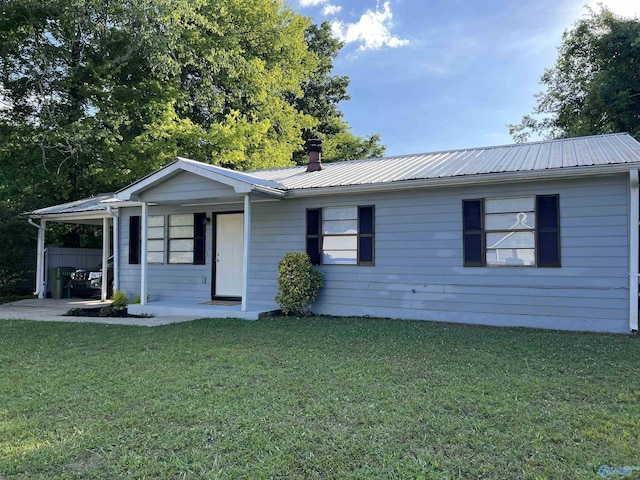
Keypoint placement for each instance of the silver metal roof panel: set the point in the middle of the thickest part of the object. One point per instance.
(566, 154)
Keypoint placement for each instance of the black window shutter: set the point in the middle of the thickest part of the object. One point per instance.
(134, 240)
(548, 230)
(366, 235)
(473, 235)
(199, 238)
(314, 237)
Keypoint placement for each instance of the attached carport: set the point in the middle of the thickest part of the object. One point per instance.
(88, 211)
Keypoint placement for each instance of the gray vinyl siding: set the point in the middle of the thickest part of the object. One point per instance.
(186, 187)
(184, 282)
(418, 272)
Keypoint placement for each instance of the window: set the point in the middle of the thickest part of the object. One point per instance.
(511, 231)
(187, 242)
(187, 238)
(155, 239)
(341, 235)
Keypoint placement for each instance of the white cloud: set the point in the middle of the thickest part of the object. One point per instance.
(311, 3)
(372, 30)
(330, 9)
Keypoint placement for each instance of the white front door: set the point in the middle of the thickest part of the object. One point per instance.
(229, 254)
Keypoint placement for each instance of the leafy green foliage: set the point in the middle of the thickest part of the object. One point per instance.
(119, 299)
(314, 398)
(299, 283)
(594, 88)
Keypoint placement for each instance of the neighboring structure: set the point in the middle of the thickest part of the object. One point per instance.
(541, 234)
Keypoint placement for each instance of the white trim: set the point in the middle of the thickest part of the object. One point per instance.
(246, 184)
(104, 284)
(77, 217)
(634, 223)
(143, 253)
(40, 290)
(116, 247)
(245, 253)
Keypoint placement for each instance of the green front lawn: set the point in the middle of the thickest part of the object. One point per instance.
(314, 398)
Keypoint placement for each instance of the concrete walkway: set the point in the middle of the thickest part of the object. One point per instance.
(53, 310)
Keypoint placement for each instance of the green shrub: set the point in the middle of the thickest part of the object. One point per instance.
(136, 299)
(74, 312)
(119, 299)
(298, 283)
(107, 311)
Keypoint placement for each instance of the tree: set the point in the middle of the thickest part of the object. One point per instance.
(109, 91)
(594, 87)
(321, 94)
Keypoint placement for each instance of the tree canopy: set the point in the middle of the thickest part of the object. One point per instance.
(594, 87)
(95, 94)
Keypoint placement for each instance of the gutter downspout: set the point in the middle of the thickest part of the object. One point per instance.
(634, 225)
(40, 279)
(116, 247)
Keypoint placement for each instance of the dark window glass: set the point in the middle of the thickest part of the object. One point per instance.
(134, 240)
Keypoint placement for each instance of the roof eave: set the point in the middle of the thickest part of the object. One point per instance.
(71, 217)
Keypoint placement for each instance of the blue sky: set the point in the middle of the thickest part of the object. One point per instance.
(446, 74)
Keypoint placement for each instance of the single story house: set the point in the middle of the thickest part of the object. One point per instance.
(541, 234)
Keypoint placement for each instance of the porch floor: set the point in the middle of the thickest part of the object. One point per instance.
(162, 308)
(164, 313)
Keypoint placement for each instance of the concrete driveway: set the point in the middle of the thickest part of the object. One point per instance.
(54, 310)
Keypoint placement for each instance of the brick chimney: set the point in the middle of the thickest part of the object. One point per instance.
(314, 148)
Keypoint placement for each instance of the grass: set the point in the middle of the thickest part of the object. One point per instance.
(314, 398)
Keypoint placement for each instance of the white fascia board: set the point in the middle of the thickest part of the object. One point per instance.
(148, 181)
(465, 180)
(92, 217)
(239, 186)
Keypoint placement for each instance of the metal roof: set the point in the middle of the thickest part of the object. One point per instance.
(563, 156)
(91, 204)
(601, 153)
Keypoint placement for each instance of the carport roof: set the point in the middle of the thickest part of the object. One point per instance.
(87, 210)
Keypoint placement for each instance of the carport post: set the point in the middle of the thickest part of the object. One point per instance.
(40, 277)
(116, 247)
(143, 254)
(245, 253)
(105, 259)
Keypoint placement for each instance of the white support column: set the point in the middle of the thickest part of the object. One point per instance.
(634, 223)
(105, 259)
(143, 254)
(41, 285)
(116, 250)
(245, 253)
